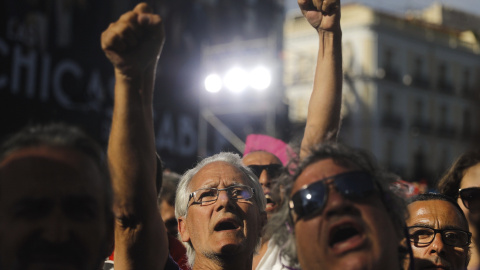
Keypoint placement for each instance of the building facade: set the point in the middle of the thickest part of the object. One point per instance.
(411, 85)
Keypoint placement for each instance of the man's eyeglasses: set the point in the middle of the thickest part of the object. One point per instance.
(470, 198)
(422, 236)
(206, 196)
(273, 170)
(312, 199)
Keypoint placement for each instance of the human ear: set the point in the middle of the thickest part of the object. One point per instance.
(183, 230)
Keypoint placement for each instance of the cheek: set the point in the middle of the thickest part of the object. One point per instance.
(307, 234)
(418, 252)
(381, 225)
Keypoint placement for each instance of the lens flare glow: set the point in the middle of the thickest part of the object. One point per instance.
(213, 83)
(236, 80)
(260, 78)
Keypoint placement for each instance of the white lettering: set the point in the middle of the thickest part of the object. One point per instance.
(58, 92)
(4, 52)
(95, 91)
(165, 136)
(187, 136)
(29, 61)
(45, 79)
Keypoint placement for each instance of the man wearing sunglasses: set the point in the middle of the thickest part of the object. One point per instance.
(266, 157)
(344, 214)
(220, 208)
(438, 232)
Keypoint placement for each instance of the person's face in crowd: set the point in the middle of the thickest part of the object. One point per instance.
(470, 179)
(167, 212)
(440, 215)
(255, 160)
(346, 234)
(226, 226)
(52, 211)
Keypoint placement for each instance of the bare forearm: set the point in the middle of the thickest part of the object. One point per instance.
(133, 44)
(141, 241)
(325, 102)
(131, 147)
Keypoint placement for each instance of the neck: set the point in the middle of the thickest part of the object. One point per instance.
(215, 262)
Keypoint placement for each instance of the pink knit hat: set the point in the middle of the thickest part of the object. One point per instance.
(259, 142)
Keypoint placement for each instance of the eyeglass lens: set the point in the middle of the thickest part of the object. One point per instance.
(210, 195)
(425, 235)
(471, 198)
(312, 199)
(273, 170)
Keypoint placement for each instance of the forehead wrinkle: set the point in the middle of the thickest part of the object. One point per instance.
(434, 216)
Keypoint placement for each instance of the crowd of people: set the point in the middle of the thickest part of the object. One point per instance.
(65, 204)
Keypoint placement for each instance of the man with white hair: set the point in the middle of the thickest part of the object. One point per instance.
(221, 230)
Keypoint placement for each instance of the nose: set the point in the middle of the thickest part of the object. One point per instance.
(224, 200)
(56, 226)
(437, 245)
(265, 181)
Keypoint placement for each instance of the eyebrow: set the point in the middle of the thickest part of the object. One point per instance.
(81, 199)
(215, 185)
(448, 227)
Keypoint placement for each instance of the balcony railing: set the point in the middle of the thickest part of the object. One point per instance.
(446, 131)
(392, 121)
(445, 87)
(421, 126)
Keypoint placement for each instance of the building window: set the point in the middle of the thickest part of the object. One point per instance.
(442, 83)
(419, 79)
(466, 82)
(388, 104)
(419, 110)
(443, 161)
(419, 168)
(389, 118)
(444, 129)
(419, 123)
(388, 60)
(443, 117)
(389, 154)
(467, 124)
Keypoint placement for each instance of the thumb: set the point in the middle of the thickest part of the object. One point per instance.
(142, 8)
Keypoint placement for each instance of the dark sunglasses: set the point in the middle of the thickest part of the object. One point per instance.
(273, 170)
(311, 199)
(470, 198)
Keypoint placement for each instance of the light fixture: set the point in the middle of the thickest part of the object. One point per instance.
(213, 83)
(236, 80)
(260, 78)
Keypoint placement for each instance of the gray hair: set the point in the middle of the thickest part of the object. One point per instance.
(279, 228)
(64, 136)
(361, 160)
(183, 190)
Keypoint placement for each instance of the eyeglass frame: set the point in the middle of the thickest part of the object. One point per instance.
(192, 195)
(459, 196)
(327, 182)
(441, 231)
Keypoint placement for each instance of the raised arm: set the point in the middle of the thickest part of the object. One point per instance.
(323, 116)
(133, 45)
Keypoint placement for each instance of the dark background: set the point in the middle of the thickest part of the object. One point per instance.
(52, 67)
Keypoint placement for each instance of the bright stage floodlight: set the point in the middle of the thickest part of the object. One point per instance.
(213, 83)
(260, 78)
(236, 80)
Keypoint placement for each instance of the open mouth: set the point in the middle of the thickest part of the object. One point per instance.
(226, 225)
(270, 203)
(342, 234)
